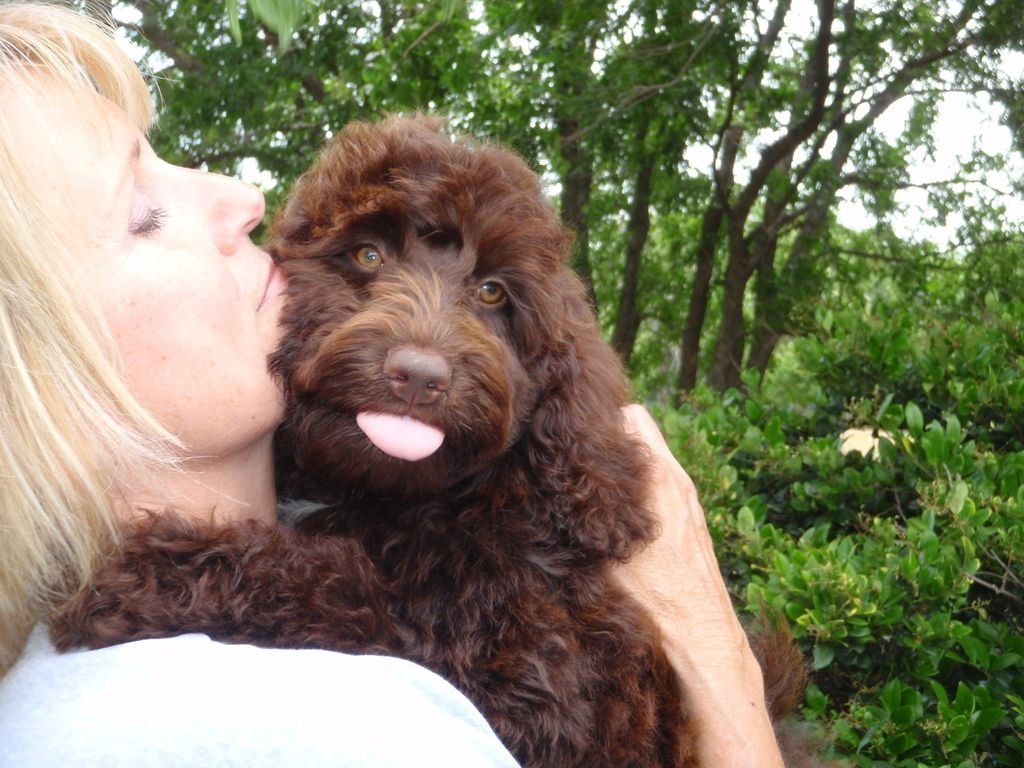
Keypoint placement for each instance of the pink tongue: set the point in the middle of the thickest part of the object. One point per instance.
(400, 436)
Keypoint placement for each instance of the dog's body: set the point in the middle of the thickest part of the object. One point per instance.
(429, 279)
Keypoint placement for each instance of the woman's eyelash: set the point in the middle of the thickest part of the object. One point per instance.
(149, 223)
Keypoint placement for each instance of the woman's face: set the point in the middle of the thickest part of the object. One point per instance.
(192, 304)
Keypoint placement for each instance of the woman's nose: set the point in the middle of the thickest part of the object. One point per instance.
(237, 209)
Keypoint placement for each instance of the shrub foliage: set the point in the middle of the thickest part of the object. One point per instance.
(901, 572)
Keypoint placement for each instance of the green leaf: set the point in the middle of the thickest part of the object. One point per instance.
(773, 432)
(964, 701)
(940, 693)
(904, 716)
(753, 410)
(884, 407)
(282, 16)
(957, 729)
(955, 502)
(449, 8)
(823, 656)
(236, 29)
(745, 522)
(892, 695)
(953, 429)
(987, 719)
(914, 417)
(977, 652)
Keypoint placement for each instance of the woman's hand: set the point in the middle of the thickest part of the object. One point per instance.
(677, 579)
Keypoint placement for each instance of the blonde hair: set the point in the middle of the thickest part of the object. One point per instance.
(70, 431)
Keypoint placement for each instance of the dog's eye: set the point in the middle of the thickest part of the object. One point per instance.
(491, 293)
(369, 258)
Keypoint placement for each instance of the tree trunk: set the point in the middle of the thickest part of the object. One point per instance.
(576, 183)
(700, 293)
(767, 325)
(728, 355)
(747, 252)
(628, 320)
(801, 276)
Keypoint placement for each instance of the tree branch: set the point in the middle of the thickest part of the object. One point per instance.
(998, 589)
(867, 182)
(942, 267)
(151, 29)
(729, 136)
(638, 94)
(818, 76)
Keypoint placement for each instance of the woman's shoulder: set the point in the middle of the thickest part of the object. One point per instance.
(191, 700)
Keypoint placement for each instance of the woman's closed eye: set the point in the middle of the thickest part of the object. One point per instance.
(151, 221)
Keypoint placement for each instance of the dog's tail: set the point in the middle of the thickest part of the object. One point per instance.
(785, 681)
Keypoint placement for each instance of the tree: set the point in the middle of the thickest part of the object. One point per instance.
(698, 148)
(821, 103)
(225, 102)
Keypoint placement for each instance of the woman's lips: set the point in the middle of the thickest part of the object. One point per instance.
(275, 284)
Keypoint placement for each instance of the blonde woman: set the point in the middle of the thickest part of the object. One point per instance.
(135, 320)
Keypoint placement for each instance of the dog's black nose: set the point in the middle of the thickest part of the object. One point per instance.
(417, 377)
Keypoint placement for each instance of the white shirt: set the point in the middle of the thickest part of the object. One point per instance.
(190, 701)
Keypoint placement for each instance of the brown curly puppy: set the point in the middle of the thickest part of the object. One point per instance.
(452, 400)
(431, 301)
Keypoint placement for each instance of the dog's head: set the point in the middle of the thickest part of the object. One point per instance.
(433, 323)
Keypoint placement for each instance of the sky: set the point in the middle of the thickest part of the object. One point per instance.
(964, 121)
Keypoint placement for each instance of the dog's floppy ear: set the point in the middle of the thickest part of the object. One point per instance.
(579, 445)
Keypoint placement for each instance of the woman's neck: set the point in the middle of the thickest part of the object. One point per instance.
(219, 489)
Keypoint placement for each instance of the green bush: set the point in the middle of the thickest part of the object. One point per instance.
(902, 574)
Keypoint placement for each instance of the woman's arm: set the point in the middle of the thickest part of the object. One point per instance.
(677, 578)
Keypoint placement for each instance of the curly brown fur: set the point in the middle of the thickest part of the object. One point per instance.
(242, 583)
(488, 561)
(499, 543)
(785, 681)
